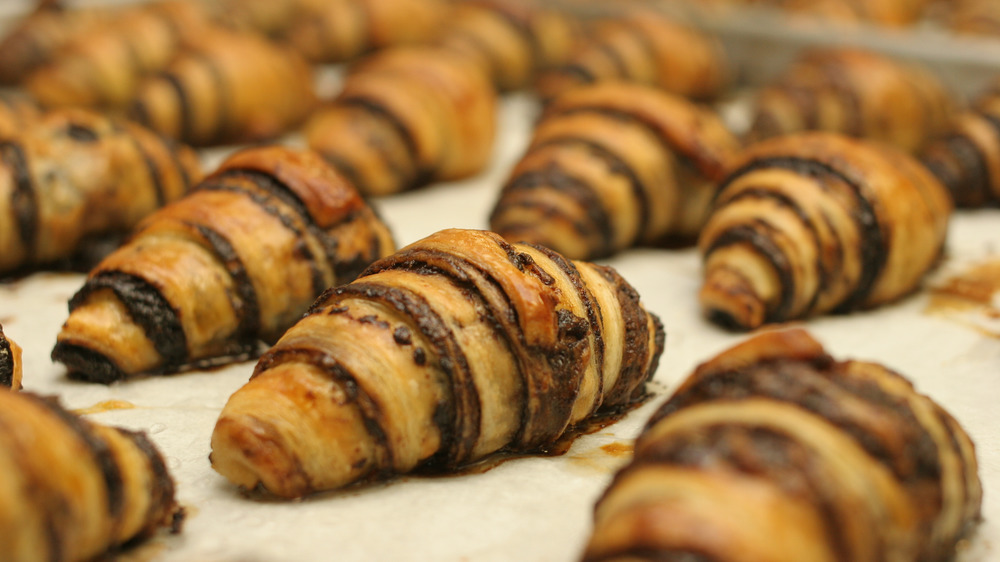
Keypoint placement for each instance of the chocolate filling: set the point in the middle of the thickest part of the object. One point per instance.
(24, 199)
(873, 251)
(147, 307)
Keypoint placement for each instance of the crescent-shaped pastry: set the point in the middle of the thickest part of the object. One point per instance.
(614, 165)
(456, 347)
(817, 222)
(204, 280)
(773, 450)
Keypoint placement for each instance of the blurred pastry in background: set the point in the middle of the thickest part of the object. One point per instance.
(74, 490)
(228, 87)
(647, 47)
(74, 177)
(514, 39)
(340, 30)
(406, 117)
(856, 92)
(613, 165)
(103, 67)
(966, 158)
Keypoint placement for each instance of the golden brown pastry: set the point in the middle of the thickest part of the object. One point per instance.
(73, 490)
(645, 47)
(237, 261)
(454, 348)
(614, 165)
(104, 67)
(340, 30)
(856, 92)
(229, 87)
(967, 157)
(271, 18)
(514, 39)
(816, 222)
(10, 363)
(35, 39)
(974, 17)
(408, 116)
(74, 176)
(17, 112)
(773, 450)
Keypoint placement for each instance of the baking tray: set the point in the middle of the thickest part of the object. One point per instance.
(531, 508)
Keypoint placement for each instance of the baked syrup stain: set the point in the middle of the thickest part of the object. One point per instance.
(105, 406)
(970, 298)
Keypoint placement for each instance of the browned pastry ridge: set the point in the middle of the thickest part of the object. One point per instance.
(614, 165)
(340, 30)
(408, 116)
(967, 157)
(228, 87)
(816, 222)
(73, 490)
(237, 261)
(103, 67)
(73, 176)
(644, 47)
(10, 363)
(456, 347)
(773, 450)
(855, 92)
(514, 39)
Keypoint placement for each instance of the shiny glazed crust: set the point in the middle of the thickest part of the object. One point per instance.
(73, 490)
(817, 222)
(61, 183)
(456, 347)
(773, 450)
(614, 165)
(237, 261)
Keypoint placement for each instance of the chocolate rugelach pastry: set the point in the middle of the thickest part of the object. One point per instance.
(774, 450)
(890, 13)
(408, 116)
(72, 489)
(614, 165)
(35, 39)
(204, 280)
(10, 363)
(646, 47)
(967, 157)
(61, 184)
(514, 39)
(816, 222)
(456, 347)
(341, 30)
(104, 67)
(856, 92)
(228, 88)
